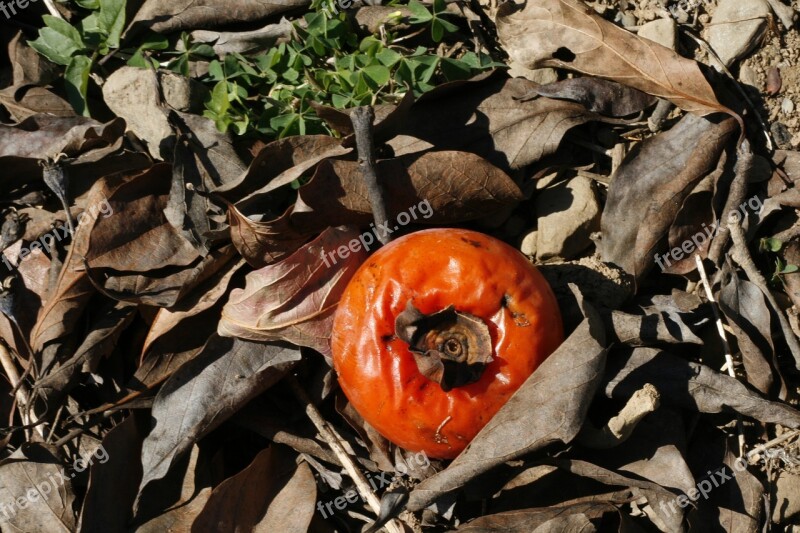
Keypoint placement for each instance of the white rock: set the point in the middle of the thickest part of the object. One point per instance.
(662, 31)
(528, 246)
(787, 106)
(737, 27)
(567, 214)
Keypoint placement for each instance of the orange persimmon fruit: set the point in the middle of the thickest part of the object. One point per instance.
(436, 331)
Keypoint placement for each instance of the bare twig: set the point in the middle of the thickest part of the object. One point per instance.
(329, 435)
(644, 401)
(725, 344)
(736, 196)
(742, 256)
(21, 393)
(51, 7)
(363, 118)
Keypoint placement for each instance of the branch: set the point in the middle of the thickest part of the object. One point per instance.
(362, 118)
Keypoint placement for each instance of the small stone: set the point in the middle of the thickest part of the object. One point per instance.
(528, 246)
(567, 214)
(748, 76)
(628, 20)
(737, 28)
(787, 106)
(663, 31)
(781, 135)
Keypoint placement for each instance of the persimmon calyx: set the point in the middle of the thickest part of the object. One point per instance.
(450, 347)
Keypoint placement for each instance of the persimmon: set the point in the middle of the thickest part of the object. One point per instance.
(436, 331)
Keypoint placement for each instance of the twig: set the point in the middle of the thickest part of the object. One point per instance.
(742, 256)
(21, 393)
(736, 196)
(644, 401)
(329, 436)
(725, 344)
(362, 118)
(51, 7)
(774, 442)
(660, 114)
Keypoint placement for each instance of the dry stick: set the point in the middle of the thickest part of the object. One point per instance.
(644, 401)
(51, 7)
(742, 256)
(725, 345)
(774, 442)
(736, 196)
(21, 394)
(330, 437)
(362, 118)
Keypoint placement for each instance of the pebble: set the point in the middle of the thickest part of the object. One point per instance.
(748, 76)
(774, 81)
(787, 106)
(737, 28)
(628, 20)
(663, 31)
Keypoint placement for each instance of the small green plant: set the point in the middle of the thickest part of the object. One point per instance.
(439, 25)
(78, 48)
(272, 93)
(781, 270)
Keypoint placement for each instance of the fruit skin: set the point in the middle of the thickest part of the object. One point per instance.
(436, 268)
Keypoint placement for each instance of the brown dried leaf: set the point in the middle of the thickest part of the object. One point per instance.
(650, 187)
(691, 386)
(263, 243)
(458, 186)
(204, 393)
(485, 117)
(294, 300)
(568, 34)
(272, 494)
(36, 467)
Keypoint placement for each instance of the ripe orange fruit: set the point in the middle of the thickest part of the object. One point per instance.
(436, 331)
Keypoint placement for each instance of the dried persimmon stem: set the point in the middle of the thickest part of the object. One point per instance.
(363, 118)
(330, 436)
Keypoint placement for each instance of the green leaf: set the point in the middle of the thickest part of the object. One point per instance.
(770, 243)
(454, 69)
(437, 30)
(377, 73)
(788, 269)
(112, 16)
(58, 41)
(388, 57)
(219, 102)
(89, 4)
(449, 27)
(419, 14)
(76, 78)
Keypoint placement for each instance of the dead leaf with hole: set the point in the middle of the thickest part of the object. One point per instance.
(569, 34)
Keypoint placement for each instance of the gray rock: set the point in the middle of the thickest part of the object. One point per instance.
(567, 214)
(662, 31)
(785, 13)
(737, 27)
(748, 76)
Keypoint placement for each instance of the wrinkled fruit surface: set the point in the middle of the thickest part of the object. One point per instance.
(435, 269)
